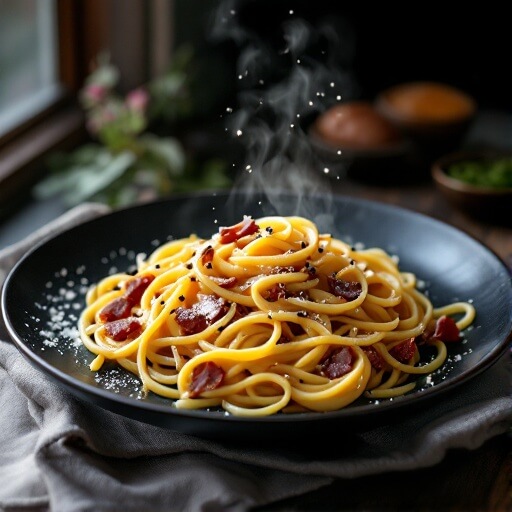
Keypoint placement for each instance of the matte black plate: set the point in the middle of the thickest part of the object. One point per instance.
(44, 293)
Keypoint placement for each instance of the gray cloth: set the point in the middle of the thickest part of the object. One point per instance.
(61, 454)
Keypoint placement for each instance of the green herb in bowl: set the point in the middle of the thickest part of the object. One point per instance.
(494, 173)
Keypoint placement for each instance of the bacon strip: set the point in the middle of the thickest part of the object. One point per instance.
(276, 292)
(123, 329)
(122, 306)
(376, 360)
(404, 351)
(136, 287)
(116, 309)
(339, 362)
(348, 290)
(207, 255)
(202, 314)
(446, 329)
(233, 233)
(240, 312)
(205, 377)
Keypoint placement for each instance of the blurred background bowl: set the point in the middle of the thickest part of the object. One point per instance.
(478, 183)
(434, 116)
(355, 138)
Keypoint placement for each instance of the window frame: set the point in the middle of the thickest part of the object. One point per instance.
(87, 28)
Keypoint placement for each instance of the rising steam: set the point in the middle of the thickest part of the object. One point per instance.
(280, 90)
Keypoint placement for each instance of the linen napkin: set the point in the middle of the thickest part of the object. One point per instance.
(58, 453)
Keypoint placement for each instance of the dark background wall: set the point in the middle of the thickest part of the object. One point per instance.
(372, 48)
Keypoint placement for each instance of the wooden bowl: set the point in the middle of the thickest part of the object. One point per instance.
(354, 136)
(434, 116)
(488, 203)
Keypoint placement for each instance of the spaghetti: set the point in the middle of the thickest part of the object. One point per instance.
(269, 315)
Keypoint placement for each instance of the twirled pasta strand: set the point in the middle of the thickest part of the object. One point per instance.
(304, 321)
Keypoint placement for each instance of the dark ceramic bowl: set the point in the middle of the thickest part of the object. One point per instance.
(483, 202)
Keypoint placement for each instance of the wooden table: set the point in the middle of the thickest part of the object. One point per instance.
(472, 481)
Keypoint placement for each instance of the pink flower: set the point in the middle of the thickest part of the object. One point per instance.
(95, 93)
(137, 100)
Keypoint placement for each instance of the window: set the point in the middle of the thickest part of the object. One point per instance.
(46, 51)
(29, 80)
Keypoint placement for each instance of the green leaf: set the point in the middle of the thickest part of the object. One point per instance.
(87, 184)
(80, 182)
(56, 184)
(168, 150)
